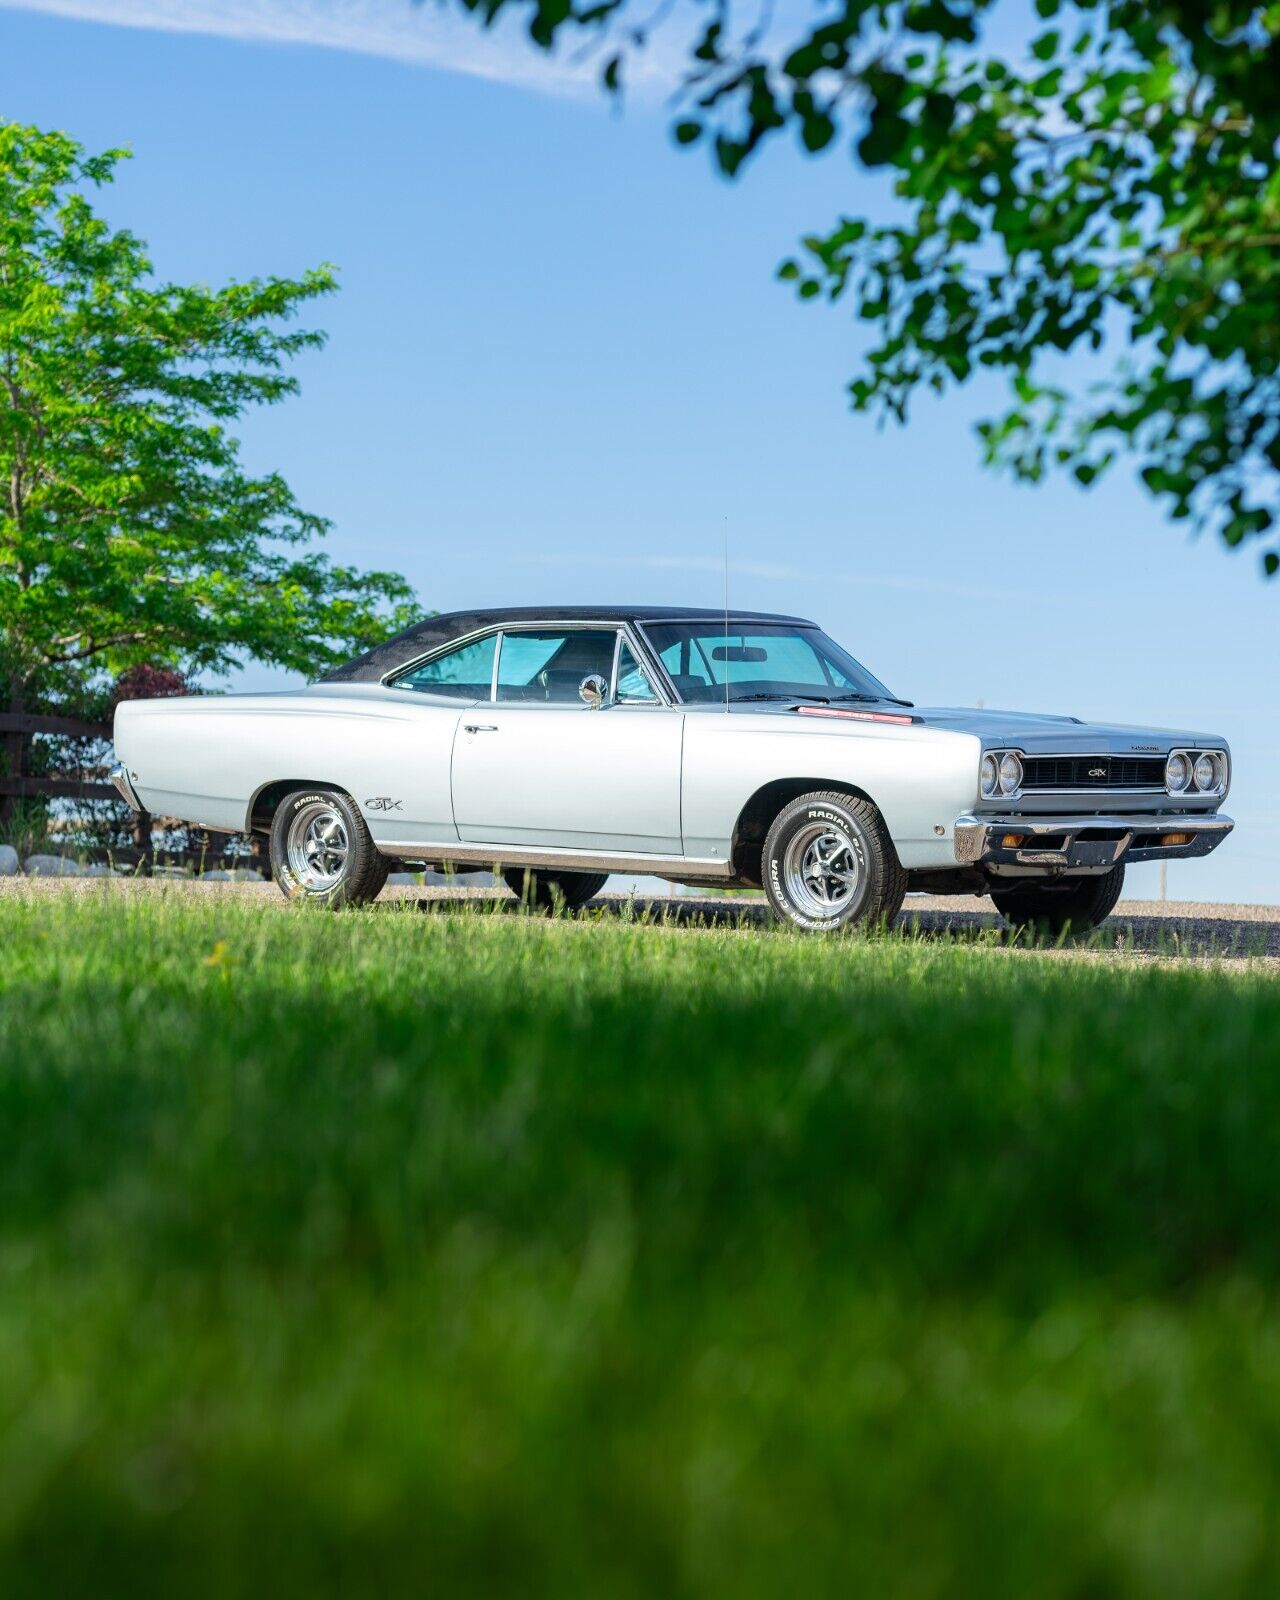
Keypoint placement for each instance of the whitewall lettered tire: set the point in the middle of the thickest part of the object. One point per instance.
(829, 864)
(321, 851)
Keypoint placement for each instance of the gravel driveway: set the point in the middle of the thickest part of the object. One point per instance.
(1137, 928)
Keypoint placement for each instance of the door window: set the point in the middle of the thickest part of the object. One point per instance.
(545, 666)
(463, 674)
(633, 685)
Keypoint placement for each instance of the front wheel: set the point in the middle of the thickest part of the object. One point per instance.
(829, 863)
(321, 851)
(550, 891)
(1070, 904)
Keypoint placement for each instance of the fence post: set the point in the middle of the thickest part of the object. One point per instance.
(142, 839)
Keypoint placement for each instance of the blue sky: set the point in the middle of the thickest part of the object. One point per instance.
(559, 364)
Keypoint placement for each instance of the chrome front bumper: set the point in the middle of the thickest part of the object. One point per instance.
(1084, 844)
(120, 778)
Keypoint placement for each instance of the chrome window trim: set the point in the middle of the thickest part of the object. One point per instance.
(391, 680)
(667, 696)
(546, 627)
(613, 671)
(664, 679)
(628, 640)
(749, 621)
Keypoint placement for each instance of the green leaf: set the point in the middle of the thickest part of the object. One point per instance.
(885, 137)
(1045, 47)
(817, 130)
(181, 553)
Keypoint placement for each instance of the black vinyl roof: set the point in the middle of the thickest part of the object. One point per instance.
(433, 632)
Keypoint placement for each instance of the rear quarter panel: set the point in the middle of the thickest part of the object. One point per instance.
(920, 778)
(205, 760)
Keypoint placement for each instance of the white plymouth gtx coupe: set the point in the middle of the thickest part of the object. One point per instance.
(561, 744)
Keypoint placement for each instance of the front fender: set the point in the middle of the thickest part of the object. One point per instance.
(920, 779)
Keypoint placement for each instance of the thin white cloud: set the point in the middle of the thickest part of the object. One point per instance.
(426, 35)
(776, 572)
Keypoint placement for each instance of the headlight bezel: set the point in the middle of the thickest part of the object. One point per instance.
(1191, 757)
(1001, 774)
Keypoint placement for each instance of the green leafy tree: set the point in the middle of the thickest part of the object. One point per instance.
(1108, 184)
(130, 532)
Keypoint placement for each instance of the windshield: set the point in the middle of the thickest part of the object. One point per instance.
(760, 661)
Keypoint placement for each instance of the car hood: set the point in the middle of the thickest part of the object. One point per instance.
(1069, 735)
(1040, 732)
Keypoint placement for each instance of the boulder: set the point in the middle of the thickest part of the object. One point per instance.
(52, 867)
(96, 869)
(8, 861)
(231, 875)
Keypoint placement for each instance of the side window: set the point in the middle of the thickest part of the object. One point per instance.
(544, 666)
(463, 674)
(632, 683)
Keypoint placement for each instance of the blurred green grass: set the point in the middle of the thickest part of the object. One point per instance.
(473, 1254)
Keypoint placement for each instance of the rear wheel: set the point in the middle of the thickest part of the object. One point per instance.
(321, 851)
(829, 863)
(1075, 904)
(551, 890)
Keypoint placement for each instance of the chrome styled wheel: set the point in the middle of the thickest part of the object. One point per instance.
(821, 870)
(317, 847)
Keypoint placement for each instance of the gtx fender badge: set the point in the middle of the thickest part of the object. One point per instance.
(383, 803)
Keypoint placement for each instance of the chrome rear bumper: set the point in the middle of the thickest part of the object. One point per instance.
(1084, 844)
(120, 778)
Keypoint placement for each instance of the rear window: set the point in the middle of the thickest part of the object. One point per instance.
(462, 674)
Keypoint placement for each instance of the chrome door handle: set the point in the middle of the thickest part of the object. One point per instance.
(479, 727)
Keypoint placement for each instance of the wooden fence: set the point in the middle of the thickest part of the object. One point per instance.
(209, 849)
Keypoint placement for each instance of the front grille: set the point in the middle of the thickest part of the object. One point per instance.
(1093, 772)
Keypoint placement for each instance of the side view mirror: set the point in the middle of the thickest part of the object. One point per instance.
(593, 690)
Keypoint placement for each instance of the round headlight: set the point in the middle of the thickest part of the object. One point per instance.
(1010, 773)
(1177, 773)
(1205, 773)
(990, 775)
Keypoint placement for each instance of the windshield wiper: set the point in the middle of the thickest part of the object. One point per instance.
(875, 699)
(737, 699)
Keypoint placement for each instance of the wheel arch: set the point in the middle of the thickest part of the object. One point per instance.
(755, 817)
(265, 800)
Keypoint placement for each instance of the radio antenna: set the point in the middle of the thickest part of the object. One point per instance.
(726, 614)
